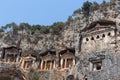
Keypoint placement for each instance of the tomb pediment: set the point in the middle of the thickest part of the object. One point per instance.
(11, 50)
(67, 54)
(29, 58)
(68, 50)
(97, 58)
(98, 26)
(48, 55)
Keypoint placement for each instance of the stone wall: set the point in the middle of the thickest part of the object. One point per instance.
(98, 42)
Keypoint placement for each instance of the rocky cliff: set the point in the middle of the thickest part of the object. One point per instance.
(95, 39)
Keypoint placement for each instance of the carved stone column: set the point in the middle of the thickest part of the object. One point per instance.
(41, 65)
(61, 63)
(22, 64)
(91, 66)
(54, 64)
(17, 59)
(51, 65)
(26, 64)
(45, 65)
(73, 61)
(65, 63)
(57, 59)
(5, 58)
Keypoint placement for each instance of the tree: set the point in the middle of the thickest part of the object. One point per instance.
(95, 6)
(14, 26)
(1, 30)
(57, 27)
(25, 26)
(104, 2)
(69, 20)
(44, 30)
(78, 11)
(86, 8)
(11, 26)
(104, 6)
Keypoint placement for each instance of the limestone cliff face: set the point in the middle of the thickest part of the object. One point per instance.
(40, 42)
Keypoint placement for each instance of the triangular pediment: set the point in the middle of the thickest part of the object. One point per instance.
(100, 25)
(97, 25)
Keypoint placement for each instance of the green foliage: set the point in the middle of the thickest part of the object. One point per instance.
(11, 26)
(95, 3)
(95, 6)
(24, 26)
(56, 28)
(69, 20)
(78, 11)
(86, 8)
(104, 2)
(35, 29)
(104, 6)
(1, 30)
(112, 3)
